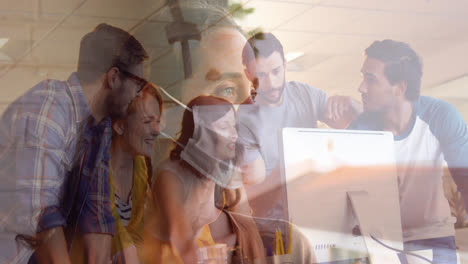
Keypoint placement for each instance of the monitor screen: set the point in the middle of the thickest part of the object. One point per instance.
(323, 170)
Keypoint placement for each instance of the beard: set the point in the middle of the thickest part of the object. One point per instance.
(116, 106)
(265, 95)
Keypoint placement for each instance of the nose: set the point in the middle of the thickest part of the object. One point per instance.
(155, 128)
(268, 80)
(233, 134)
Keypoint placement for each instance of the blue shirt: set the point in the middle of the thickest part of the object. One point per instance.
(86, 202)
(38, 138)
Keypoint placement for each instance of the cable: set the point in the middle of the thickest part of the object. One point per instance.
(174, 99)
(147, 18)
(401, 251)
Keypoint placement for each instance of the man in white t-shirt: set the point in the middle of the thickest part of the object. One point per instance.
(427, 132)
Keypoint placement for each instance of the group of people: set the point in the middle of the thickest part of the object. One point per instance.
(79, 181)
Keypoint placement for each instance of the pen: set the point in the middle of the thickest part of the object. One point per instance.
(290, 237)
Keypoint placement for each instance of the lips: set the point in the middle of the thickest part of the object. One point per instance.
(273, 94)
(150, 141)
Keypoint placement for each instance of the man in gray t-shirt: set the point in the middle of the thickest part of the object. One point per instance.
(260, 124)
(276, 104)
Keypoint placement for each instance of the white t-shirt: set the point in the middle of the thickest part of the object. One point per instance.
(437, 134)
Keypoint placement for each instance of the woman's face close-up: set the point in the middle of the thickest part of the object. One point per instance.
(219, 70)
(226, 136)
(143, 126)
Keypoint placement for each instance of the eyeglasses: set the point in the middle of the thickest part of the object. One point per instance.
(139, 81)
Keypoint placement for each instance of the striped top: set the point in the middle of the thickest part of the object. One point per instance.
(124, 209)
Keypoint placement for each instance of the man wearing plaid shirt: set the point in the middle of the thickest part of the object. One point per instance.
(49, 132)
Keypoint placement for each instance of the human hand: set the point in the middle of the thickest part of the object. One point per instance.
(342, 110)
(338, 106)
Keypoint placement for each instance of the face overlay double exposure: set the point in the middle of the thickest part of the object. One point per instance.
(218, 69)
(226, 136)
(212, 150)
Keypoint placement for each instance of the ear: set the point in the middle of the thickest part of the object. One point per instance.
(119, 127)
(113, 78)
(247, 73)
(400, 88)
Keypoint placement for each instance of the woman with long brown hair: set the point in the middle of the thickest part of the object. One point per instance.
(196, 189)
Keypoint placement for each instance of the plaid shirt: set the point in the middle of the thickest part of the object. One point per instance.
(86, 202)
(38, 137)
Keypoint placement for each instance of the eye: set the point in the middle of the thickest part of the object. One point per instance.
(226, 91)
(276, 70)
(261, 75)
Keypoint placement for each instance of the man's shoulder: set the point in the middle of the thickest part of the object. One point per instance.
(45, 92)
(438, 114)
(301, 87)
(48, 101)
(366, 121)
(429, 108)
(306, 93)
(51, 89)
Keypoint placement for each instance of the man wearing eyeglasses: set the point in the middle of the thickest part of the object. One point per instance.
(54, 143)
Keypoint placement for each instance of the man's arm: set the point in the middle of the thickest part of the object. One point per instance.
(39, 176)
(253, 164)
(254, 172)
(341, 111)
(97, 248)
(52, 246)
(448, 125)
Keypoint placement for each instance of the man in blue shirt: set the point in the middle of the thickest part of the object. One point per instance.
(427, 132)
(39, 134)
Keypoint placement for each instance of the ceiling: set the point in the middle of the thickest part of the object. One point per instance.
(43, 39)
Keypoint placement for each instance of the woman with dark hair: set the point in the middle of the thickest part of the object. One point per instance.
(197, 188)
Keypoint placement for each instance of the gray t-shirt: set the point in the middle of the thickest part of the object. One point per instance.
(260, 125)
(259, 130)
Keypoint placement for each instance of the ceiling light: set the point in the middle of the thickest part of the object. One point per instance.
(3, 41)
(290, 56)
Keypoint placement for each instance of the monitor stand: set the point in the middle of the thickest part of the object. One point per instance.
(364, 210)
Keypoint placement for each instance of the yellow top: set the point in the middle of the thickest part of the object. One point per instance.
(133, 233)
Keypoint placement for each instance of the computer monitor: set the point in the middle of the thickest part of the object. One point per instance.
(342, 192)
